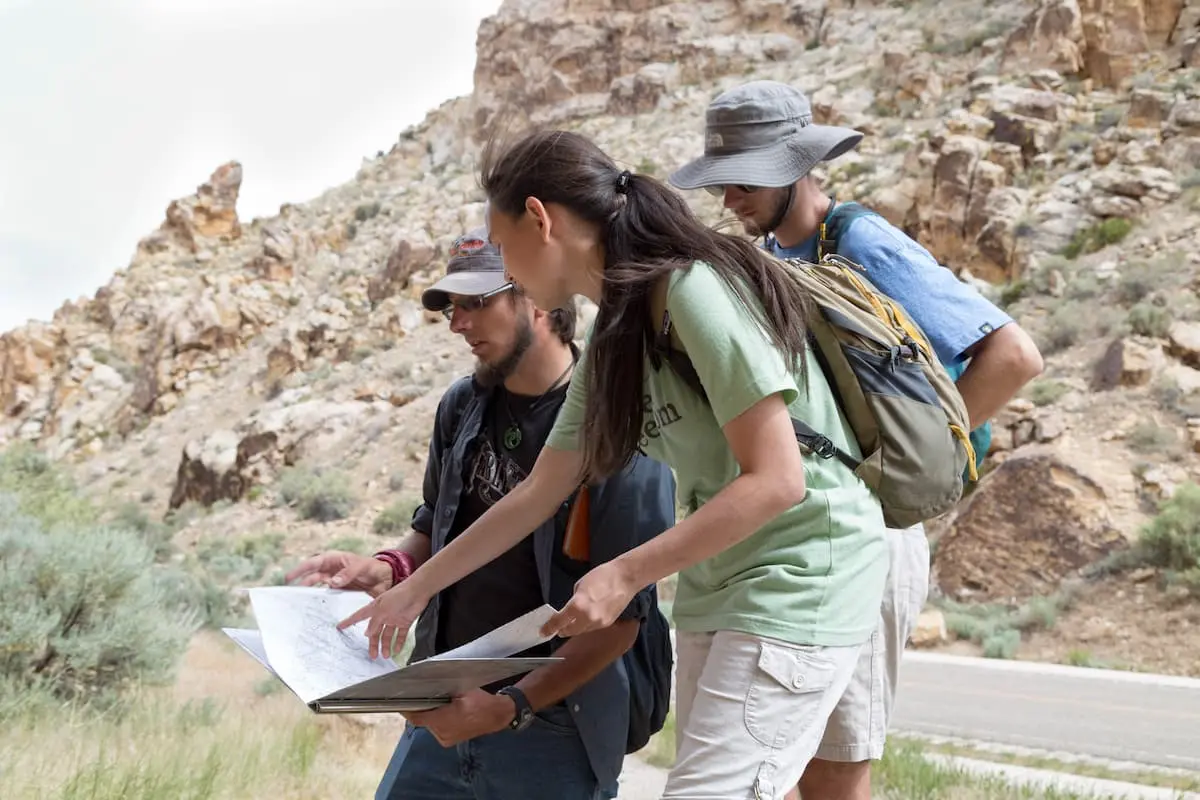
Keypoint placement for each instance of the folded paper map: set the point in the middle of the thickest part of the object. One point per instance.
(297, 640)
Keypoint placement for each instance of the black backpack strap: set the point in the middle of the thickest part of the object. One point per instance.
(663, 350)
(822, 445)
(818, 443)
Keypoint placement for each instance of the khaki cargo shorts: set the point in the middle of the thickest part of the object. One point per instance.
(857, 728)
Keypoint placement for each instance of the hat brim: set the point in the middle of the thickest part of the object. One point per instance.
(781, 164)
(437, 296)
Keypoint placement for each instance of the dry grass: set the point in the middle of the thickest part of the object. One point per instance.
(226, 730)
(221, 732)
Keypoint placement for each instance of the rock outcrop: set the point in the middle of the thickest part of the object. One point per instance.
(209, 214)
(1044, 152)
(1108, 41)
(1031, 523)
(554, 60)
(226, 463)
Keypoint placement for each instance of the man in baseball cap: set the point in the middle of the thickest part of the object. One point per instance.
(473, 270)
(760, 146)
(561, 731)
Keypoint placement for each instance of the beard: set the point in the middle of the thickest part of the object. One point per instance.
(754, 228)
(494, 373)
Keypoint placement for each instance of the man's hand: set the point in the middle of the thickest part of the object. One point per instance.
(343, 570)
(476, 713)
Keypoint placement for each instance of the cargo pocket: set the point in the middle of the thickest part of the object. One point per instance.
(786, 686)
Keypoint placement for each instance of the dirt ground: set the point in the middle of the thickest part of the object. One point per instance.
(1117, 623)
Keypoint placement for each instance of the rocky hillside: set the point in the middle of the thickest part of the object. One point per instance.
(279, 375)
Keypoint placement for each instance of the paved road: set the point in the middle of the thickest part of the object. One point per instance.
(1120, 716)
(1123, 716)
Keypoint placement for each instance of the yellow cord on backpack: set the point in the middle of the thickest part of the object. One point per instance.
(871, 297)
(965, 438)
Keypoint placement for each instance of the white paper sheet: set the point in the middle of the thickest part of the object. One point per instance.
(303, 646)
(251, 641)
(515, 637)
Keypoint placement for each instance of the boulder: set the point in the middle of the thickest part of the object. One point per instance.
(1033, 521)
(1050, 36)
(409, 254)
(225, 463)
(1127, 363)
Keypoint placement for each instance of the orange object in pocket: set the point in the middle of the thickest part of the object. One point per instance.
(577, 542)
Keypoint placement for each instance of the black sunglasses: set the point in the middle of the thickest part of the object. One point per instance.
(718, 190)
(473, 303)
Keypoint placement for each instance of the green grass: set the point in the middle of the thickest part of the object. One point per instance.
(905, 773)
(1147, 777)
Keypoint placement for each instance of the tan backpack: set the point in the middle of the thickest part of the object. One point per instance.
(909, 419)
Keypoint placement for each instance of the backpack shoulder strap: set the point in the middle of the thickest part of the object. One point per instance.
(836, 223)
(677, 357)
(664, 344)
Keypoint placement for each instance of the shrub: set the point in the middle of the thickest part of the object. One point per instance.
(1077, 322)
(997, 628)
(84, 614)
(1147, 319)
(40, 490)
(1047, 392)
(319, 495)
(1098, 236)
(1150, 437)
(1171, 541)
(397, 517)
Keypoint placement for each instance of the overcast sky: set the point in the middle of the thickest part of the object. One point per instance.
(109, 109)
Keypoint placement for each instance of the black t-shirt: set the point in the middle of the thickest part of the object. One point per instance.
(507, 587)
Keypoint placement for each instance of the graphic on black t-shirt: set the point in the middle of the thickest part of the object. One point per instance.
(493, 474)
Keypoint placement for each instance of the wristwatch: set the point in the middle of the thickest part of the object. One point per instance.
(524, 716)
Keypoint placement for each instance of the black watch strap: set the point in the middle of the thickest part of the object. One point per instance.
(524, 715)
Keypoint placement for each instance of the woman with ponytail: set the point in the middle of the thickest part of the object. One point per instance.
(782, 558)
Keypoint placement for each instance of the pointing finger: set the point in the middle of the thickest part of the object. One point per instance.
(358, 616)
(560, 620)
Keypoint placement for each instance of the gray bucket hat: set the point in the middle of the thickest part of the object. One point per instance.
(762, 134)
(475, 267)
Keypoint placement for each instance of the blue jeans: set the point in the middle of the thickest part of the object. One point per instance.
(546, 761)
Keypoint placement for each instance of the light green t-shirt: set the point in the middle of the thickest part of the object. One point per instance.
(813, 575)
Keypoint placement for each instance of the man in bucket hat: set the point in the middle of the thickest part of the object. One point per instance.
(760, 146)
(560, 732)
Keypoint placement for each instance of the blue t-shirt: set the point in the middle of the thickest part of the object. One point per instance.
(951, 313)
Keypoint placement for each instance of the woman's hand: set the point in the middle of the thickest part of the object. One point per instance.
(600, 597)
(391, 615)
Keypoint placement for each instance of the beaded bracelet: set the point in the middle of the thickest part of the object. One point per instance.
(402, 563)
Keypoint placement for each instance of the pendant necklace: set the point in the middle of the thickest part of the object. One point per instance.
(512, 434)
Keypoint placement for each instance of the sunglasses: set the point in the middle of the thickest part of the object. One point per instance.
(718, 190)
(474, 302)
